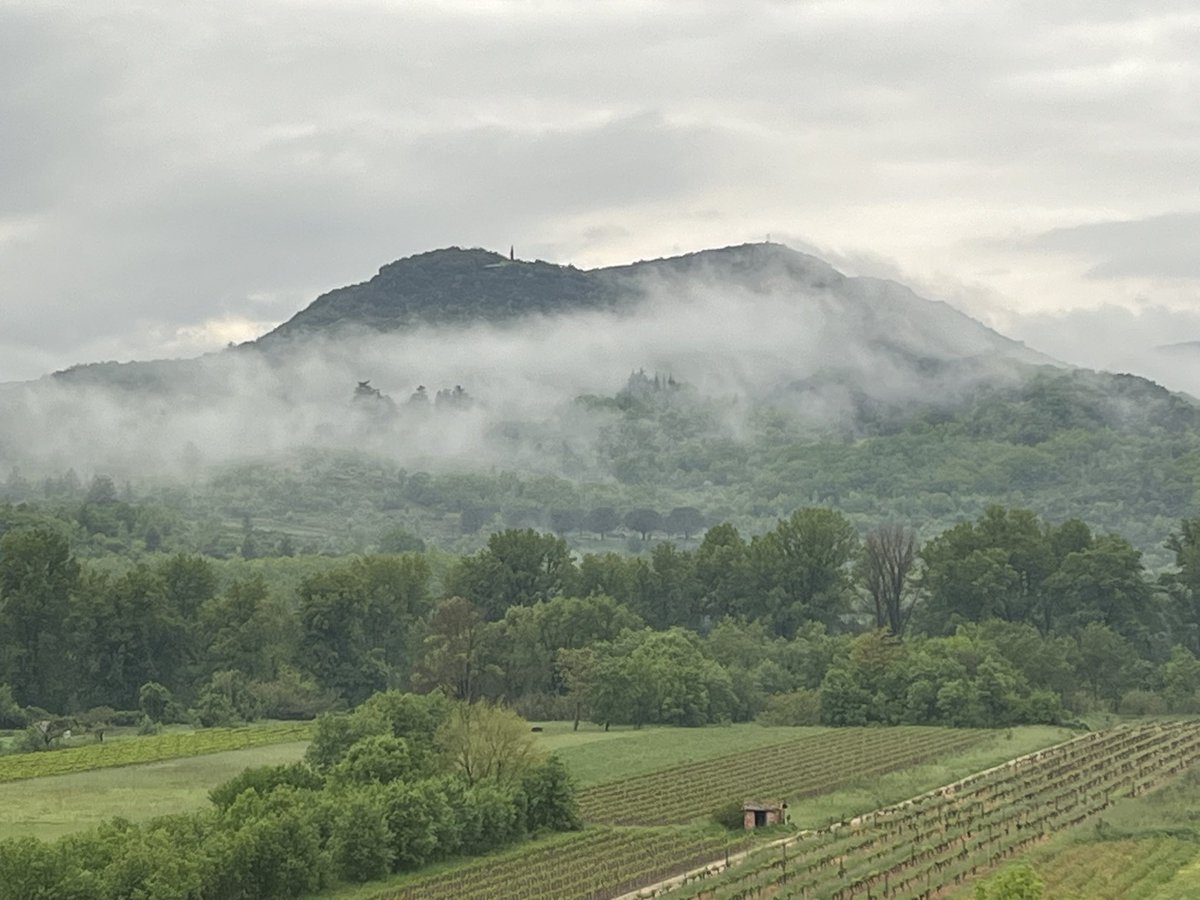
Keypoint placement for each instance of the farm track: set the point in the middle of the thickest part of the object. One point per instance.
(792, 770)
(920, 849)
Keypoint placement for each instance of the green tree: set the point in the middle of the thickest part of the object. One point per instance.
(414, 717)
(529, 637)
(802, 569)
(400, 540)
(126, 634)
(575, 670)
(1105, 659)
(188, 581)
(652, 677)
(38, 576)
(550, 797)
(995, 567)
(360, 843)
(398, 598)
(154, 700)
(684, 521)
(337, 645)
(226, 699)
(459, 655)
(644, 521)
(375, 759)
(672, 593)
(1181, 681)
(484, 742)
(516, 568)
(603, 520)
(240, 629)
(722, 568)
(1106, 583)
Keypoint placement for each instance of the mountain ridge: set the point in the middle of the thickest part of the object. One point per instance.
(453, 286)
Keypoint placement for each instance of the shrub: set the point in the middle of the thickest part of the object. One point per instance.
(550, 798)
(154, 700)
(802, 707)
(1015, 883)
(291, 696)
(126, 718)
(265, 779)
(376, 759)
(11, 714)
(413, 824)
(360, 843)
(730, 816)
(1141, 703)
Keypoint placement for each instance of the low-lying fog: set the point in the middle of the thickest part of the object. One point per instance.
(735, 346)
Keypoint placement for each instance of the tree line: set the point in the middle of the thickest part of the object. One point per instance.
(1020, 619)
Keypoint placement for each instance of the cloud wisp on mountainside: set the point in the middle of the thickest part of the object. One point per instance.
(745, 326)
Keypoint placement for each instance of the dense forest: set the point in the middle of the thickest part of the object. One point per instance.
(1002, 619)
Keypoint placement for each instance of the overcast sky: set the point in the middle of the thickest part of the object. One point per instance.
(174, 176)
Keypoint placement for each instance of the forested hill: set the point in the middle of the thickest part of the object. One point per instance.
(449, 286)
(457, 286)
(498, 392)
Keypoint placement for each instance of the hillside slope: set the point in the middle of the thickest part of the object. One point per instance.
(457, 286)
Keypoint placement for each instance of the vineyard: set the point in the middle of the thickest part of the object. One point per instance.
(591, 865)
(804, 767)
(1117, 870)
(936, 842)
(152, 748)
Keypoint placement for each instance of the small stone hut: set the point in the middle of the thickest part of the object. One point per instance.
(761, 813)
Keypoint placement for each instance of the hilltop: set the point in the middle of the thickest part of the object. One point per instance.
(455, 286)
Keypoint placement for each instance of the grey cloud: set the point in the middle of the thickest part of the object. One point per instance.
(1162, 246)
(48, 107)
(179, 159)
(1119, 339)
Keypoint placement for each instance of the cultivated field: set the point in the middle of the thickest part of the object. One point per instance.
(805, 766)
(596, 863)
(1142, 848)
(607, 861)
(940, 841)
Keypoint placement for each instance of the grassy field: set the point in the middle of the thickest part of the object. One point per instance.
(55, 805)
(171, 744)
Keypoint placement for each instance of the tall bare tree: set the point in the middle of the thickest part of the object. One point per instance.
(888, 556)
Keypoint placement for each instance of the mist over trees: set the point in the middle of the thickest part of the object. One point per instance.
(460, 393)
(789, 513)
